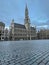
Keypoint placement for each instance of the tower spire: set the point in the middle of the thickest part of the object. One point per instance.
(26, 12)
(27, 20)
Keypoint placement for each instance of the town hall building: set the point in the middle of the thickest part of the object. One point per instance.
(22, 31)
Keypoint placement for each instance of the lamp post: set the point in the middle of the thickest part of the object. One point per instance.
(30, 33)
(27, 34)
(46, 34)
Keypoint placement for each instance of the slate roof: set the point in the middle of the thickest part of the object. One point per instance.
(2, 24)
(22, 26)
(33, 28)
(19, 25)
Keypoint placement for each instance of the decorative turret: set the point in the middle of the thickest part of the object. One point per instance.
(27, 20)
(12, 21)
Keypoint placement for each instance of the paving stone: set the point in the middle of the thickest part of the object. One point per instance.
(47, 63)
(32, 64)
(42, 58)
(17, 64)
(41, 63)
(46, 59)
(37, 55)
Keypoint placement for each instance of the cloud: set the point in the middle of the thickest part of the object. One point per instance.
(38, 11)
(44, 5)
(40, 22)
(42, 27)
(7, 27)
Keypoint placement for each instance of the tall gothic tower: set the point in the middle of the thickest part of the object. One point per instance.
(27, 20)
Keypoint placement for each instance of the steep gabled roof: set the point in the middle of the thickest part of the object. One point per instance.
(2, 24)
(33, 28)
(19, 25)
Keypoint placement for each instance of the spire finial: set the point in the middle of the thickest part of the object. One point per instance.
(12, 20)
(26, 11)
(26, 6)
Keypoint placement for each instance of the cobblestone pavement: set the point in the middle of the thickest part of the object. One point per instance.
(24, 53)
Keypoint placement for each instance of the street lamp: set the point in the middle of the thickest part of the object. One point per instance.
(30, 33)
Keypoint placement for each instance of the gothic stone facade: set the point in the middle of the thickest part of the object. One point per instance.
(43, 34)
(19, 31)
(2, 26)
